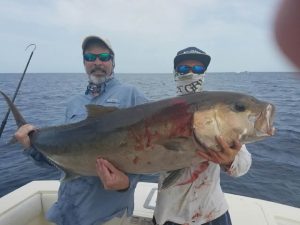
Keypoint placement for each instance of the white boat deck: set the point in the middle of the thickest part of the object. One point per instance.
(28, 204)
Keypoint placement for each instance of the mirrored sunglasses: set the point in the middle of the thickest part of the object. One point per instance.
(104, 57)
(184, 69)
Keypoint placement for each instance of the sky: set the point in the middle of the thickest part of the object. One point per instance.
(145, 34)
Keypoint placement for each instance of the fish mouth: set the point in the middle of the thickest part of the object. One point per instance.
(264, 123)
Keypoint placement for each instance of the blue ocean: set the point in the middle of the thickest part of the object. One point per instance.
(275, 171)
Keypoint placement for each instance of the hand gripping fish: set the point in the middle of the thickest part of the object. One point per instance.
(163, 135)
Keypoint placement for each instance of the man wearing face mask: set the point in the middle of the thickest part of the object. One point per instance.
(108, 198)
(189, 71)
(196, 197)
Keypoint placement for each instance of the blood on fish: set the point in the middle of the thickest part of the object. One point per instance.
(150, 136)
(173, 123)
(182, 127)
(138, 139)
(180, 122)
(135, 160)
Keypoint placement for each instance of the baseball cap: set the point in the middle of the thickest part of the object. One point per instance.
(96, 39)
(192, 53)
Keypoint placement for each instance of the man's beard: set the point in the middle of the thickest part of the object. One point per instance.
(97, 79)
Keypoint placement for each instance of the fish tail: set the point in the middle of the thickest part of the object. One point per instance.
(20, 121)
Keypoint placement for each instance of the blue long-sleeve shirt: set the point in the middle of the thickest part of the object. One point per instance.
(84, 201)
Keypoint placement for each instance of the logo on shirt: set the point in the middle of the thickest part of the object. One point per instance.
(112, 100)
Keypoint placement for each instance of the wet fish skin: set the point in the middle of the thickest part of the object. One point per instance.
(158, 136)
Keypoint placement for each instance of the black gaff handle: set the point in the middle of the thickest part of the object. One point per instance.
(17, 90)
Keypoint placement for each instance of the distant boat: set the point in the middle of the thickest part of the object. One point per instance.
(243, 72)
(28, 204)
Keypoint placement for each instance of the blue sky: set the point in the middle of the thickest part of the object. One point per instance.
(145, 34)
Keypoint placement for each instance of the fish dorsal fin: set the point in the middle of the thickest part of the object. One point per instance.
(96, 110)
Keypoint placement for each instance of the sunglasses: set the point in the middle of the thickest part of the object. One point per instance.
(184, 69)
(104, 57)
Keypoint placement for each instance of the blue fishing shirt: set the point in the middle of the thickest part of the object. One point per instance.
(84, 201)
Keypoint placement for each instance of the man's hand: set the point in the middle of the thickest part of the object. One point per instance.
(226, 156)
(22, 134)
(111, 177)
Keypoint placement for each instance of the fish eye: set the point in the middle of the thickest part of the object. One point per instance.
(239, 107)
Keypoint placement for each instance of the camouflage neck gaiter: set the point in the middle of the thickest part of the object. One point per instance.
(188, 83)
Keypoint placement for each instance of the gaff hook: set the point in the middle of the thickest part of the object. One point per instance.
(31, 45)
(17, 90)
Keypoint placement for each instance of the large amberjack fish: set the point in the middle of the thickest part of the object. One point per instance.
(158, 136)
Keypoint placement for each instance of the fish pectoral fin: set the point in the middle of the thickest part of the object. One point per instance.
(96, 110)
(174, 144)
(172, 178)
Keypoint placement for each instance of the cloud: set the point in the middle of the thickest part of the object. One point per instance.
(146, 32)
(138, 17)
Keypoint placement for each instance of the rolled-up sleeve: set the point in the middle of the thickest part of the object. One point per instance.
(241, 163)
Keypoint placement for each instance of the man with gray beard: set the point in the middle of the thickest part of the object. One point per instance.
(108, 198)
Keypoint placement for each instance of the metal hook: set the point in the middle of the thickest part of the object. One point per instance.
(17, 90)
(31, 45)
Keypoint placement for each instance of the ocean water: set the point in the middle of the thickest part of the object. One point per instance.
(275, 171)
